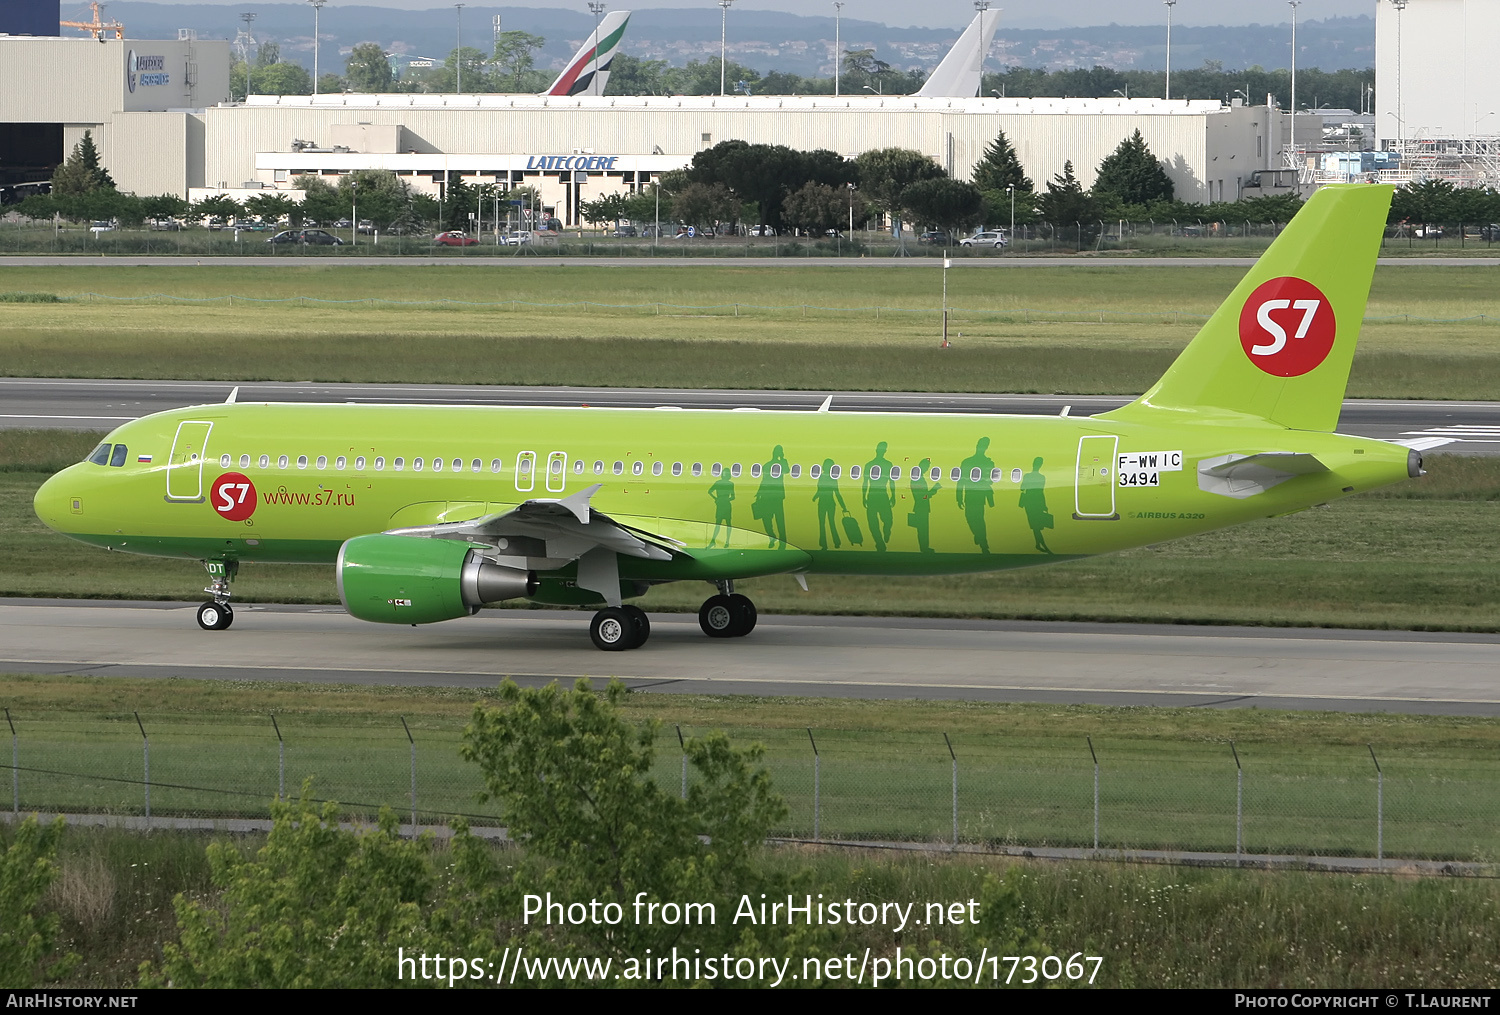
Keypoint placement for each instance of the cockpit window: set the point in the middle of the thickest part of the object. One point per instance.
(118, 458)
(100, 455)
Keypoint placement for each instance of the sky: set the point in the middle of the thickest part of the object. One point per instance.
(946, 13)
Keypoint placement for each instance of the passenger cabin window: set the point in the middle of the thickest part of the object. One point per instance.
(437, 465)
(796, 472)
(637, 467)
(578, 467)
(813, 470)
(223, 461)
(301, 461)
(322, 462)
(956, 474)
(718, 469)
(100, 455)
(398, 464)
(874, 471)
(598, 468)
(937, 473)
(416, 465)
(619, 468)
(974, 475)
(734, 470)
(340, 462)
(854, 471)
(495, 465)
(282, 461)
(676, 468)
(359, 463)
(697, 468)
(244, 461)
(656, 468)
(1015, 475)
(895, 472)
(755, 471)
(995, 475)
(833, 470)
(265, 461)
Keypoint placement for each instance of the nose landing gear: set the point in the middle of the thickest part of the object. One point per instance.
(217, 616)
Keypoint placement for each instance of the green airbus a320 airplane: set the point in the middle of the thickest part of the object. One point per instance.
(429, 513)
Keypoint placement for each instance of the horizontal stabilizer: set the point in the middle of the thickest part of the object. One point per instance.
(1425, 443)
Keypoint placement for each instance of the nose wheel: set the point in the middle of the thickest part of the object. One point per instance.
(215, 616)
(617, 628)
(731, 616)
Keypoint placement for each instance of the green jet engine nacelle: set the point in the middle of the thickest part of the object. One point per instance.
(416, 580)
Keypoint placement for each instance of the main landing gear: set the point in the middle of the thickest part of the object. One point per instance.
(617, 628)
(217, 616)
(728, 614)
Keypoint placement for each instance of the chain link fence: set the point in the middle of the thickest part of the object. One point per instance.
(839, 785)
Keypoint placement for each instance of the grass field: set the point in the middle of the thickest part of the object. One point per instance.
(1025, 776)
(1416, 556)
(1084, 330)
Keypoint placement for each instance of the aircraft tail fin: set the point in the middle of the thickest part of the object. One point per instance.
(1280, 347)
(957, 75)
(588, 72)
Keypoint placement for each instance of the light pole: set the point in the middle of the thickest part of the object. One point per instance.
(1169, 4)
(1294, 4)
(458, 50)
(878, 82)
(354, 212)
(1400, 6)
(317, 6)
(248, 19)
(596, 8)
(723, 30)
(981, 6)
(1011, 188)
(838, 49)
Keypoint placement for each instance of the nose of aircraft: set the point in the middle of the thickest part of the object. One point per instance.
(54, 501)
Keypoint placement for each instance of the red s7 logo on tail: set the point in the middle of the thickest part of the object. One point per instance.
(1287, 327)
(233, 496)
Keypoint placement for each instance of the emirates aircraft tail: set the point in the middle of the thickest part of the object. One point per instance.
(958, 75)
(588, 72)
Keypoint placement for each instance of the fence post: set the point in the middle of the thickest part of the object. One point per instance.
(955, 788)
(1239, 805)
(15, 771)
(683, 744)
(1096, 790)
(817, 779)
(1379, 808)
(146, 748)
(413, 776)
(281, 760)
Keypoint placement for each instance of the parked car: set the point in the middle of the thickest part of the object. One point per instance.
(1490, 233)
(762, 230)
(306, 237)
(455, 238)
(366, 227)
(936, 237)
(164, 226)
(102, 227)
(342, 224)
(517, 238)
(625, 231)
(988, 238)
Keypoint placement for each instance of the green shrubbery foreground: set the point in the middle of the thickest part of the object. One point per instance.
(322, 905)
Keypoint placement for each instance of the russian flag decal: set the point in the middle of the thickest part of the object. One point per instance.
(144, 459)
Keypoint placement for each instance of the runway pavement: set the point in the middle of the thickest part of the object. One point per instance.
(1473, 427)
(857, 657)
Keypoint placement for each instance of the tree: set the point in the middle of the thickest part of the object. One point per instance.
(514, 62)
(576, 783)
(81, 172)
(269, 207)
(1131, 175)
(763, 174)
(884, 173)
(818, 207)
(268, 54)
(367, 69)
(219, 206)
(1000, 167)
(1066, 202)
(28, 931)
(704, 204)
(331, 84)
(632, 75)
(609, 208)
(951, 205)
(165, 206)
(322, 202)
(283, 79)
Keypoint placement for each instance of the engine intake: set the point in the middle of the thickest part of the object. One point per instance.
(415, 580)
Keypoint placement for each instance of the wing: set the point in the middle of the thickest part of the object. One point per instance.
(551, 532)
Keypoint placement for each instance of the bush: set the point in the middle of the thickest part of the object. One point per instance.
(28, 937)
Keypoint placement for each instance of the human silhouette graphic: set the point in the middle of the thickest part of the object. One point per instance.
(827, 496)
(723, 494)
(878, 492)
(1034, 500)
(921, 503)
(975, 492)
(770, 499)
